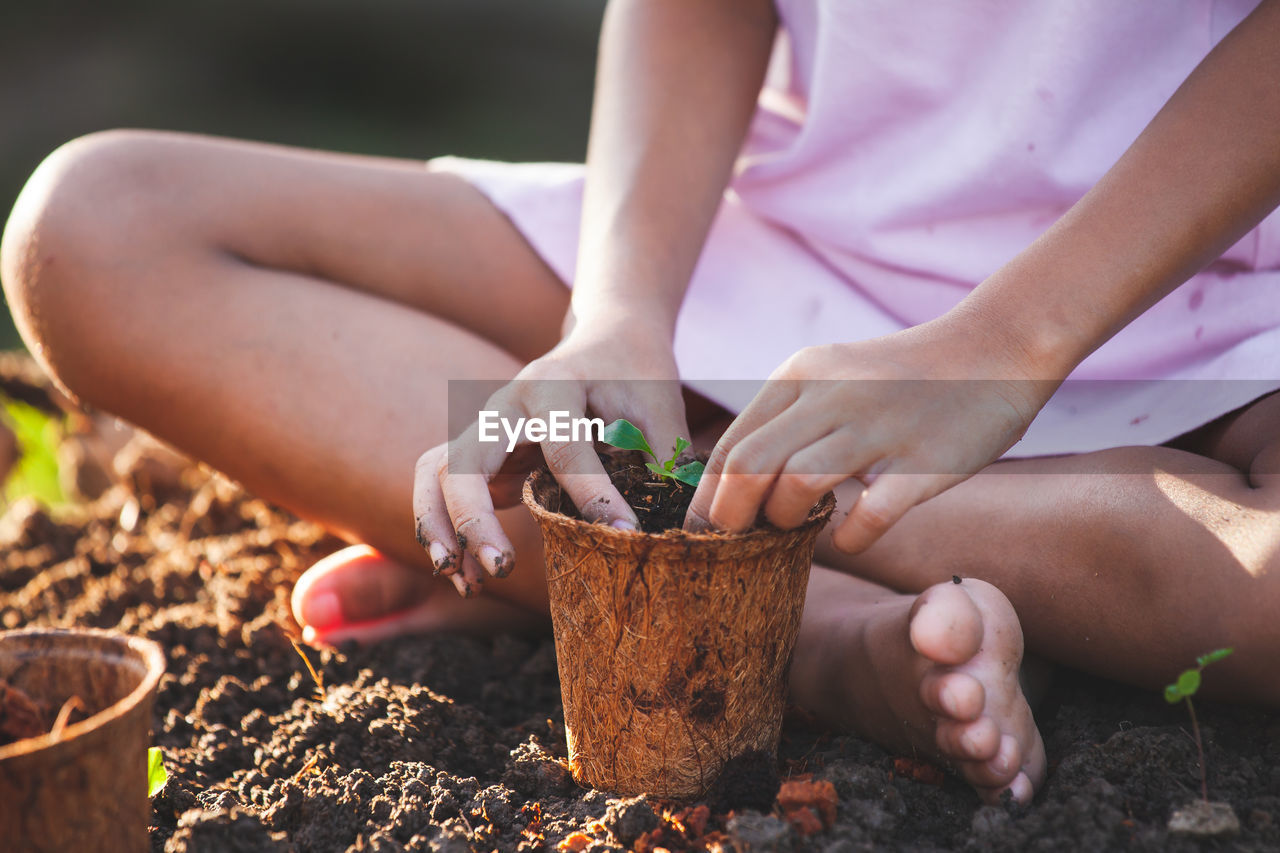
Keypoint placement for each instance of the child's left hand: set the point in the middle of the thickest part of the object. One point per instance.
(910, 415)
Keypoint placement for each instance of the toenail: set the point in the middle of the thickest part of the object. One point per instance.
(322, 610)
(1021, 788)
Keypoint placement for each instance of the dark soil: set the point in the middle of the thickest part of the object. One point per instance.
(453, 743)
(660, 503)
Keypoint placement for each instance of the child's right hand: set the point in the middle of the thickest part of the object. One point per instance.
(458, 485)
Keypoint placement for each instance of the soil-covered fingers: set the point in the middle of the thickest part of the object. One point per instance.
(432, 525)
(464, 476)
(580, 473)
(570, 453)
(454, 509)
(469, 579)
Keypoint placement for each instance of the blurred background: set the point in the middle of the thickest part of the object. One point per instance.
(502, 79)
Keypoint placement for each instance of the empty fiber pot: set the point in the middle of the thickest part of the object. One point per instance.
(83, 788)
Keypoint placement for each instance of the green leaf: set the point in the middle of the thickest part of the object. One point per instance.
(1213, 657)
(625, 435)
(1172, 694)
(681, 444)
(657, 469)
(689, 474)
(1189, 682)
(157, 776)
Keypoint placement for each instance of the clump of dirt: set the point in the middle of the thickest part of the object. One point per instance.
(456, 743)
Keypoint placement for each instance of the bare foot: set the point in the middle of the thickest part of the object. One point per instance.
(934, 675)
(360, 594)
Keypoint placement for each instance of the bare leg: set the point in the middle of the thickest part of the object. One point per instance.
(291, 318)
(1117, 564)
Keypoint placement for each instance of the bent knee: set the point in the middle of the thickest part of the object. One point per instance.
(81, 203)
(82, 219)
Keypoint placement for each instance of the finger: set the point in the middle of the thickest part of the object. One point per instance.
(807, 476)
(464, 483)
(881, 504)
(469, 579)
(432, 525)
(753, 465)
(661, 417)
(580, 473)
(575, 464)
(772, 399)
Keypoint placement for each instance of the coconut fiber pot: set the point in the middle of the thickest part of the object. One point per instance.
(84, 788)
(673, 648)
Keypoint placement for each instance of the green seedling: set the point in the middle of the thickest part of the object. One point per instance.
(627, 436)
(157, 776)
(1181, 691)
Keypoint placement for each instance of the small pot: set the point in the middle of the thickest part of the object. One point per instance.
(673, 648)
(84, 789)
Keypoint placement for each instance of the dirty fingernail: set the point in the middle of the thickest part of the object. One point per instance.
(622, 524)
(493, 561)
(440, 556)
(322, 610)
(460, 584)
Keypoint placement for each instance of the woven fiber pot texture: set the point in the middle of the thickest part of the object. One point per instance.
(85, 790)
(673, 648)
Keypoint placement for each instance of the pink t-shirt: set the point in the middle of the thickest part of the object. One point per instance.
(902, 153)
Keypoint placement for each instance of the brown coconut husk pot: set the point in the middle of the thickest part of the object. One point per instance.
(83, 788)
(673, 648)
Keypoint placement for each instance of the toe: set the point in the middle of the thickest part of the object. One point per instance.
(356, 585)
(956, 695)
(1021, 788)
(975, 741)
(996, 772)
(946, 625)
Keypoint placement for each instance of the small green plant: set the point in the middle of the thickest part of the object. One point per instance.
(1181, 691)
(627, 436)
(157, 776)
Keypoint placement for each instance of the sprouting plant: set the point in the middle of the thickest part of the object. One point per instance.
(157, 776)
(1181, 691)
(627, 436)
